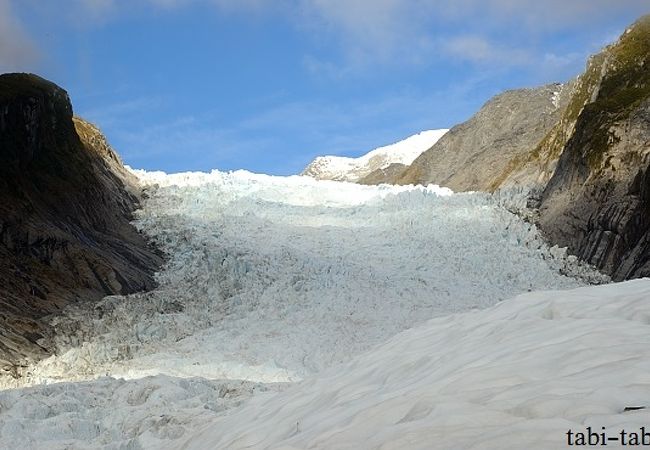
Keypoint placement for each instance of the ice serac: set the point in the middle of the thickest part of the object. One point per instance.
(480, 154)
(340, 168)
(65, 205)
(597, 202)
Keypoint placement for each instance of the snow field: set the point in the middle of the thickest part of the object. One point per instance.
(272, 280)
(517, 375)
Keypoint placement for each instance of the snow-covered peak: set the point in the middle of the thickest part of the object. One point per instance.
(341, 168)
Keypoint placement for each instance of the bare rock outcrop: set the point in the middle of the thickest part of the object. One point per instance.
(386, 175)
(481, 153)
(65, 205)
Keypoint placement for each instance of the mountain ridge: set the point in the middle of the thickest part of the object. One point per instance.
(513, 121)
(342, 168)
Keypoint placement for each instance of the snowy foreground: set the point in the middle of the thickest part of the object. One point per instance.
(515, 376)
(296, 313)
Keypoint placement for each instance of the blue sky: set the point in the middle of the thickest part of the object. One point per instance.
(266, 85)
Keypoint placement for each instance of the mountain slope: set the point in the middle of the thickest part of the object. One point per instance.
(340, 168)
(598, 201)
(65, 205)
(384, 175)
(475, 154)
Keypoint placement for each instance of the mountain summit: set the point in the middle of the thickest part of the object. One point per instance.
(341, 168)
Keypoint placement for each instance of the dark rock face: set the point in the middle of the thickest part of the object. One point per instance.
(65, 205)
(597, 202)
(483, 153)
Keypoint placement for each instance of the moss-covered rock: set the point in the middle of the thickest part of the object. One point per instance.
(597, 201)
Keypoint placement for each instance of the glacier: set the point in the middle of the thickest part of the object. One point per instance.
(278, 287)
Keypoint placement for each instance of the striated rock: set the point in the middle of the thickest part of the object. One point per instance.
(597, 202)
(482, 153)
(65, 205)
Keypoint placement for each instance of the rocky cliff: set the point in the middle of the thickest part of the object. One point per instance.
(597, 203)
(477, 155)
(65, 205)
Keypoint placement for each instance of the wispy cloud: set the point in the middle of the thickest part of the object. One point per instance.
(480, 50)
(535, 16)
(224, 5)
(199, 141)
(169, 4)
(92, 12)
(122, 112)
(97, 6)
(303, 129)
(17, 50)
(368, 33)
(411, 31)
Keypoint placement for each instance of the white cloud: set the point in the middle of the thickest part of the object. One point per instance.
(95, 10)
(533, 16)
(17, 51)
(369, 33)
(479, 50)
(223, 5)
(122, 112)
(247, 5)
(378, 23)
(399, 32)
(170, 4)
(97, 5)
(402, 31)
(562, 61)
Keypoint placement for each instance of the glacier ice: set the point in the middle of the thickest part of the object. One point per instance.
(272, 280)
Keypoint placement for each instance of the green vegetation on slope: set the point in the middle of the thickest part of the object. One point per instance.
(625, 85)
(613, 85)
